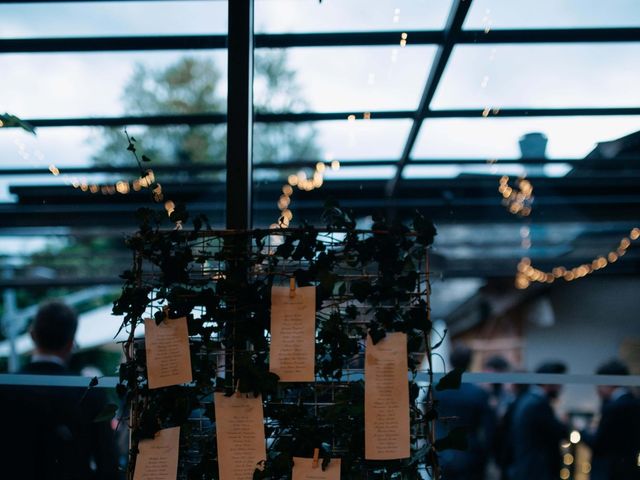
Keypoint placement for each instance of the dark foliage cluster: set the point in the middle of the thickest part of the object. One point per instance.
(367, 282)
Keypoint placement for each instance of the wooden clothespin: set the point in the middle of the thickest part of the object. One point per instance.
(316, 457)
(292, 287)
(237, 392)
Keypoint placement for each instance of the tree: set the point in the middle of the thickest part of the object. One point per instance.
(192, 85)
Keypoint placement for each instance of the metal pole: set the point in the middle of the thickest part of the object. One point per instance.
(239, 114)
(9, 321)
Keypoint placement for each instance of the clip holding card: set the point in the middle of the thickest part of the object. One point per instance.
(292, 287)
(237, 391)
(316, 457)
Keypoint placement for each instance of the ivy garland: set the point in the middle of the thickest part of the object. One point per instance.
(371, 282)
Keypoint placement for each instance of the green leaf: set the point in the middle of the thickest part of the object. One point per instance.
(9, 120)
(425, 229)
(451, 381)
(107, 413)
(145, 158)
(361, 289)
(376, 333)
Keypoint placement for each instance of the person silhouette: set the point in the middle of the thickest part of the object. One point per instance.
(616, 442)
(535, 431)
(50, 432)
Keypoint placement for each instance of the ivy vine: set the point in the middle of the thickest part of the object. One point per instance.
(367, 283)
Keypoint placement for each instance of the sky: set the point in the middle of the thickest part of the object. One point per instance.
(357, 79)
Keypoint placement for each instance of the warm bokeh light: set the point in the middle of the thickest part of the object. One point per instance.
(575, 437)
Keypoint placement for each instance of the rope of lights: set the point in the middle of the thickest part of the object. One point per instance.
(528, 274)
(519, 198)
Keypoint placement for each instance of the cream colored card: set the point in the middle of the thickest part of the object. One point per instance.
(158, 457)
(303, 469)
(168, 357)
(386, 399)
(293, 334)
(239, 435)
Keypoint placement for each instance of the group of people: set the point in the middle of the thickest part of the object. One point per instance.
(516, 430)
(50, 433)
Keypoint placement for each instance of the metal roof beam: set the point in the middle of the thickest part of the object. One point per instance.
(328, 39)
(221, 118)
(457, 14)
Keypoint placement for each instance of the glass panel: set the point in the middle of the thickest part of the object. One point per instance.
(93, 19)
(568, 137)
(317, 148)
(552, 13)
(362, 79)
(106, 84)
(331, 140)
(58, 149)
(506, 76)
(287, 16)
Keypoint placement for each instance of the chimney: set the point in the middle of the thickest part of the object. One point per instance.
(533, 145)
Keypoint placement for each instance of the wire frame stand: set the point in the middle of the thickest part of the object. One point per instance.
(366, 282)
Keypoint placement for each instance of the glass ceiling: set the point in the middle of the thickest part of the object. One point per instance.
(552, 14)
(318, 88)
(497, 138)
(89, 84)
(358, 79)
(91, 19)
(535, 76)
(302, 16)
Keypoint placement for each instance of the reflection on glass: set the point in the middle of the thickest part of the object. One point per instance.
(569, 137)
(502, 76)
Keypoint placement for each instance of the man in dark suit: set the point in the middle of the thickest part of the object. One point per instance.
(467, 407)
(535, 432)
(49, 433)
(616, 442)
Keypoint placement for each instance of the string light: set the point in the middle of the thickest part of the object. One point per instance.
(527, 274)
(575, 437)
(403, 40)
(518, 199)
(303, 182)
(486, 20)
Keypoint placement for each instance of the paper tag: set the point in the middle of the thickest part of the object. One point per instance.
(239, 435)
(293, 334)
(303, 470)
(168, 357)
(158, 457)
(386, 399)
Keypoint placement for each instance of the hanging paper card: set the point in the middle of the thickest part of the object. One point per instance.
(386, 399)
(167, 347)
(303, 469)
(158, 457)
(293, 324)
(239, 436)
